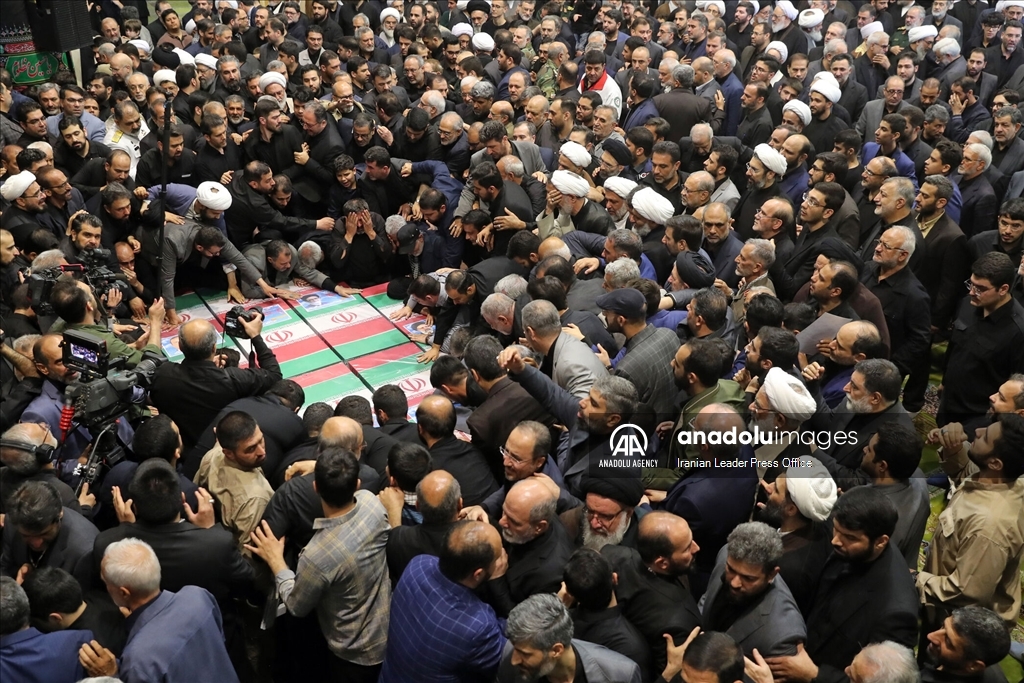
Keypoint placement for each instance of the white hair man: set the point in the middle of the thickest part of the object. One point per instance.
(186, 621)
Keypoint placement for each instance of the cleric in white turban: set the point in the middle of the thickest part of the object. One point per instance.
(576, 154)
(811, 488)
(788, 9)
(16, 186)
(619, 186)
(651, 205)
(271, 77)
(773, 161)
(788, 397)
(164, 75)
(462, 29)
(799, 109)
(828, 87)
(213, 196)
(568, 183)
(919, 33)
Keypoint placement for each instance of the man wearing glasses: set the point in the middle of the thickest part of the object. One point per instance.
(62, 200)
(987, 345)
(27, 202)
(904, 300)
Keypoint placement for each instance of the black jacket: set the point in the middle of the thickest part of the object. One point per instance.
(464, 462)
(376, 446)
(907, 309)
(251, 209)
(68, 551)
(279, 152)
(610, 628)
(860, 604)
(400, 429)
(150, 171)
(317, 176)
(189, 556)
(406, 542)
(533, 567)
(281, 426)
(191, 391)
(655, 604)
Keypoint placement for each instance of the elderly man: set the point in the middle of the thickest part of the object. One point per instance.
(648, 213)
(127, 132)
(765, 170)
(569, 209)
(278, 264)
(572, 365)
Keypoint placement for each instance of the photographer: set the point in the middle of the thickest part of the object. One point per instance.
(195, 390)
(46, 408)
(85, 235)
(76, 304)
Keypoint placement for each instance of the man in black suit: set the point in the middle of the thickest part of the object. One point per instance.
(538, 547)
(391, 408)
(376, 444)
(438, 499)
(948, 254)
(873, 395)
(435, 418)
(316, 157)
(275, 411)
(651, 590)
(192, 552)
(506, 406)
(865, 593)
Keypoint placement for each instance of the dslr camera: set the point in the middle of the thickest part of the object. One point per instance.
(233, 320)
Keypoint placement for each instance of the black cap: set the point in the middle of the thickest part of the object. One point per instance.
(619, 151)
(628, 302)
(407, 236)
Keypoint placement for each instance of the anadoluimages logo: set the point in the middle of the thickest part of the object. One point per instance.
(628, 441)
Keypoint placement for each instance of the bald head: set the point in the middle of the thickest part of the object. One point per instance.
(197, 339)
(435, 416)
(470, 553)
(718, 417)
(665, 543)
(551, 246)
(342, 432)
(121, 61)
(502, 109)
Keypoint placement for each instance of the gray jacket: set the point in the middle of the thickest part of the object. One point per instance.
(257, 256)
(600, 665)
(574, 367)
(774, 626)
(179, 244)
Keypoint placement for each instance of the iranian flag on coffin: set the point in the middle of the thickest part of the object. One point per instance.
(356, 330)
(378, 298)
(331, 384)
(397, 366)
(297, 347)
(190, 307)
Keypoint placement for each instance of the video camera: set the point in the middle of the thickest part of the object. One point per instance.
(233, 321)
(94, 269)
(101, 393)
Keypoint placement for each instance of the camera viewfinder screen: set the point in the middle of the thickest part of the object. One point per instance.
(83, 354)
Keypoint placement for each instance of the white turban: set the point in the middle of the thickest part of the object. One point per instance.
(164, 75)
(828, 87)
(483, 42)
(213, 196)
(209, 61)
(717, 3)
(772, 160)
(867, 29)
(1003, 4)
(272, 77)
(652, 206)
(568, 183)
(576, 153)
(787, 8)
(141, 45)
(781, 48)
(16, 185)
(945, 44)
(190, 26)
(811, 489)
(757, 6)
(801, 109)
(922, 33)
(462, 29)
(619, 186)
(390, 12)
(184, 57)
(788, 395)
(810, 18)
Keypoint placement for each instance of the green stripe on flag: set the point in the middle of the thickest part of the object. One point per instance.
(377, 342)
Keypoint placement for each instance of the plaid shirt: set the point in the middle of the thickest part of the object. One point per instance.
(440, 631)
(648, 365)
(343, 574)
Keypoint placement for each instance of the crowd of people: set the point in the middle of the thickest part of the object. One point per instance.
(686, 271)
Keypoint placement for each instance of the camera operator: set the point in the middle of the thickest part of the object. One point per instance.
(278, 262)
(23, 456)
(46, 408)
(195, 390)
(75, 302)
(192, 249)
(85, 234)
